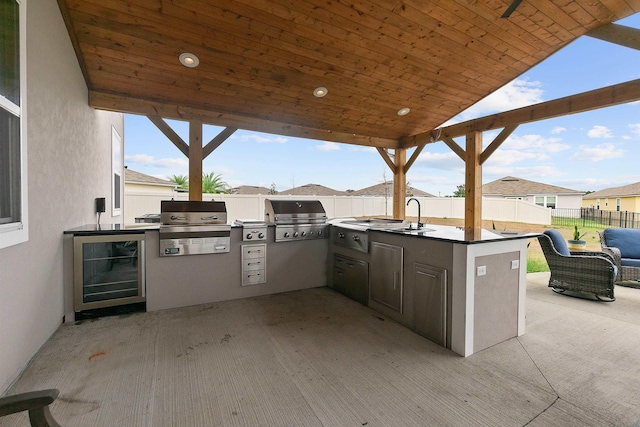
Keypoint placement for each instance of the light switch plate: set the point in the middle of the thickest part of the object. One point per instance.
(482, 270)
(515, 264)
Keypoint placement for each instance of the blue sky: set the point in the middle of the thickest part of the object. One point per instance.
(587, 151)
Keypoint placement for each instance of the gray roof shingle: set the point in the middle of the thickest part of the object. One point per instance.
(141, 178)
(512, 186)
(628, 190)
(386, 188)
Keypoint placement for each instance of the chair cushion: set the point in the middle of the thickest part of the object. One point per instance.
(558, 241)
(630, 262)
(625, 239)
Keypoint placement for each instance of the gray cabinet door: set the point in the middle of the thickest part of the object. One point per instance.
(385, 278)
(351, 277)
(430, 302)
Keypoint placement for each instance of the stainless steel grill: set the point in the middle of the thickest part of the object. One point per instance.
(296, 219)
(193, 228)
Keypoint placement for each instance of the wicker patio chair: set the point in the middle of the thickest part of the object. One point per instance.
(591, 273)
(35, 402)
(627, 273)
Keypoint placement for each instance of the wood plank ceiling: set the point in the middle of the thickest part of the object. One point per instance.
(260, 60)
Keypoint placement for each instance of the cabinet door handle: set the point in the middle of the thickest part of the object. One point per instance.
(396, 277)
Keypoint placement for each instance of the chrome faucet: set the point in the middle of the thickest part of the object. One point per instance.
(418, 202)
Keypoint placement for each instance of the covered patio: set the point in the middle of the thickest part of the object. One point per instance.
(308, 357)
(316, 358)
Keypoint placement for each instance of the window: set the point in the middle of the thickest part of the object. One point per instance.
(597, 203)
(618, 202)
(551, 202)
(13, 179)
(116, 175)
(546, 201)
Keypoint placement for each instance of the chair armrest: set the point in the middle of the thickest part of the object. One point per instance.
(36, 402)
(613, 253)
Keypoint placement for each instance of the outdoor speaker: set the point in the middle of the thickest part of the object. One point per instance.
(100, 204)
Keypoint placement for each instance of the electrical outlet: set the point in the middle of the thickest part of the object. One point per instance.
(482, 270)
(515, 264)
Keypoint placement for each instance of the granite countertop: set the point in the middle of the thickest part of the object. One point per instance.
(89, 229)
(431, 231)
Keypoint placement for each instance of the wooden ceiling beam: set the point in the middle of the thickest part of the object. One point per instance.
(497, 142)
(217, 141)
(387, 159)
(618, 34)
(171, 134)
(599, 98)
(112, 102)
(455, 147)
(413, 157)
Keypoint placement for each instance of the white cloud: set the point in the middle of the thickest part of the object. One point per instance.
(635, 128)
(534, 143)
(328, 146)
(515, 94)
(445, 161)
(149, 160)
(558, 129)
(261, 138)
(596, 153)
(533, 173)
(599, 132)
(362, 148)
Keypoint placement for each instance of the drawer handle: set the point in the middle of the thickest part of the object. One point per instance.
(254, 263)
(254, 275)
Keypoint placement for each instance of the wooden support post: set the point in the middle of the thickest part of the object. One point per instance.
(473, 187)
(399, 183)
(195, 160)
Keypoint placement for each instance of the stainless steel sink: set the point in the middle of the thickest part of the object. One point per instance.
(410, 230)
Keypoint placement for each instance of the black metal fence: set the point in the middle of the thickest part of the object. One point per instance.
(595, 218)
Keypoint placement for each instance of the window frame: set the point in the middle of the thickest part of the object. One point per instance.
(17, 232)
(117, 172)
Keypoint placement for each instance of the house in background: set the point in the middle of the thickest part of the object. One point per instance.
(312, 190)
(625, 198)
(141, 195)
(550, 196)
(251, 189)
(136, 182)
(386, 189)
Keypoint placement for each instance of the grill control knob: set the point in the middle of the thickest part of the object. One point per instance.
(320, 233)
(249, 236)
(260, 235)
(304, 233)
(286, 234)
(295, 234)
(340, 235)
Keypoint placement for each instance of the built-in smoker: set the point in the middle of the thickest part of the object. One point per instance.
(193, 228)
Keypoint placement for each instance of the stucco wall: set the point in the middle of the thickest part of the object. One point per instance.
(69, 165)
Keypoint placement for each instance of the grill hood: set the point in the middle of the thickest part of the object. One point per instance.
(294, 212)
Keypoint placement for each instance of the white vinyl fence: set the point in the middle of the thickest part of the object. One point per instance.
(252, 207)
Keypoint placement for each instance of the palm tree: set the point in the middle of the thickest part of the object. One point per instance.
(212, 184)
(182, 181)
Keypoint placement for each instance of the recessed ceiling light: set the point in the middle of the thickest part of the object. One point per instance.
(189, 60)
(403, 111)
(319, 92)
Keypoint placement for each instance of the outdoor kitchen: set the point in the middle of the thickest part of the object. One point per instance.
(463, 295)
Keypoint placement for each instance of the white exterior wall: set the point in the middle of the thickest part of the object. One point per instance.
(569, 201)
(69, 165)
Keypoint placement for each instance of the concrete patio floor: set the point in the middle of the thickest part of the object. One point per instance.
(315, 358)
